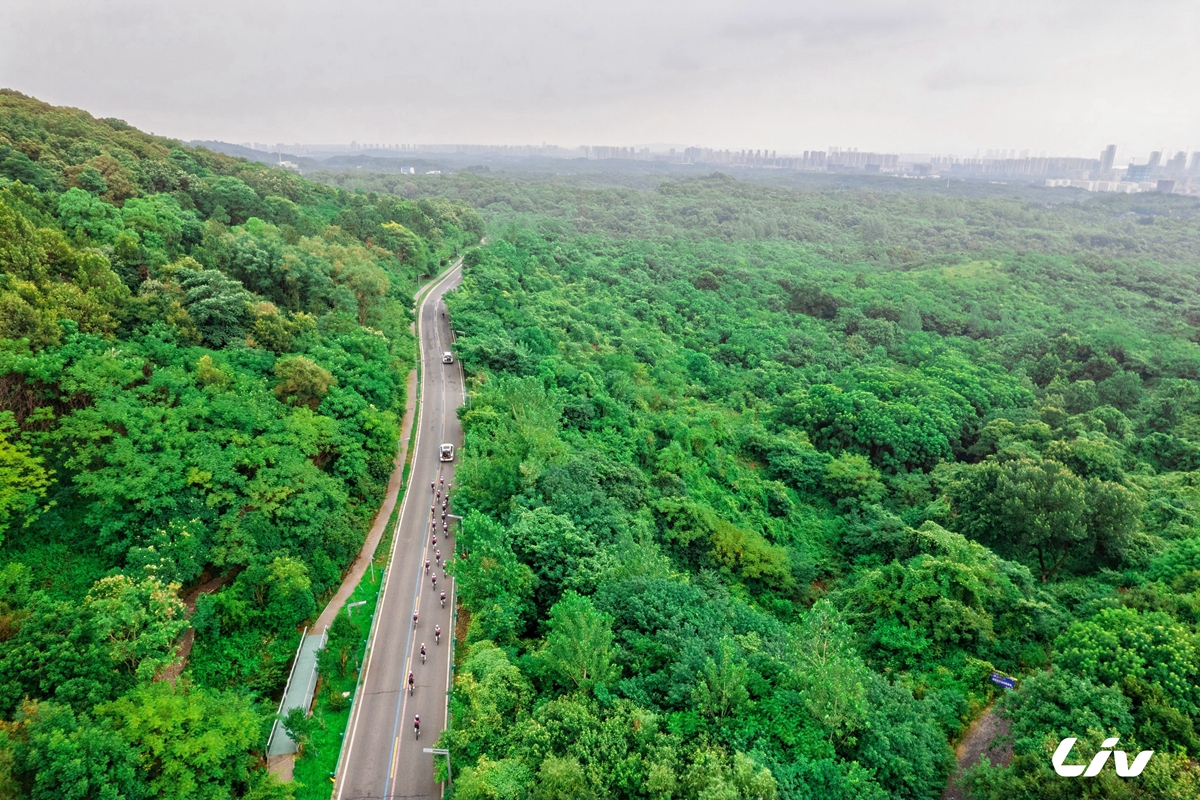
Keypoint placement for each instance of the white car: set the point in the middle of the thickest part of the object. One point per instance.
(447, 358)
(447, 452)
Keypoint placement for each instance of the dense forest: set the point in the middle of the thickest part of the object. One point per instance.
(762, 486)
(885, 221)
(202, 367)
(761, 483)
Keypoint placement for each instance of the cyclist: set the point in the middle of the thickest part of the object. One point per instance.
(437, 634)
(423, 648)
(442, 481)
(414, 619)
(410, 683)
(434, 581)
(431, 486)
(438, 555)
(427, 566)
(417, 725)
(443, 606)
(435, 539)
(443, 506)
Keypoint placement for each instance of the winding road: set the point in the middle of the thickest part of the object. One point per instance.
(382, 758)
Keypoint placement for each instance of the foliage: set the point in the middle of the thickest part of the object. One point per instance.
(797, 494)
(202, 366)
(760, 484)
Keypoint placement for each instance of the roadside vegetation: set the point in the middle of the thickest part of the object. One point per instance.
(339, 668)
(760, 484)
(202, 367)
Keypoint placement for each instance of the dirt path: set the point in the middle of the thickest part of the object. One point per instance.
(977, 743)
(184, 648)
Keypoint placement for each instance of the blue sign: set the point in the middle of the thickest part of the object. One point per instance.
(1001, 680)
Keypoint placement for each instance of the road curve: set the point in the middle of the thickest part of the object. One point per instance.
(382, 758)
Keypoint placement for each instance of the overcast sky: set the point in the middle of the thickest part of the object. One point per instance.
(939, 76)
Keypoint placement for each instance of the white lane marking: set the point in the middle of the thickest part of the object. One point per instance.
(402, 705)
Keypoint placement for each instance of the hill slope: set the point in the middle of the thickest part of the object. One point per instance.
(201, 366)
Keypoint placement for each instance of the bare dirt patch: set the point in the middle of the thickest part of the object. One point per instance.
(980, 741)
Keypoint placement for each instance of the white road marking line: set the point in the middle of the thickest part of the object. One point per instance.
(391, 560)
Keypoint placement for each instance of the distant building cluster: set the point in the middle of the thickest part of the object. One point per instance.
(1178, 174)
(1175, 176)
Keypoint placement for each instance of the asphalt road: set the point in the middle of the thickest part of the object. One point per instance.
(382, 757)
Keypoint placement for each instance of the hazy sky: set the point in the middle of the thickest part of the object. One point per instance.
(941, 75)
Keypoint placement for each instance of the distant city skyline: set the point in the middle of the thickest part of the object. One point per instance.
(1111, 157)
(936, 76)
(1099, 174)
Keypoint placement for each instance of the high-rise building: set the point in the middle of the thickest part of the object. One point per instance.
(1155, 157)
(1196, 161)
(1108, 157)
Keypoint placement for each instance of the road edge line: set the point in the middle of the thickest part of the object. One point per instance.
(367, 657)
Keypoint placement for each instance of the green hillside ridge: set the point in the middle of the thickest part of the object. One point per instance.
(202, 366)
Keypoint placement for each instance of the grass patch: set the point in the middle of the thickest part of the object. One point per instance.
(314, 770)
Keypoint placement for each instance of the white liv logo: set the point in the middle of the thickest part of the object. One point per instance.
(1120, 760)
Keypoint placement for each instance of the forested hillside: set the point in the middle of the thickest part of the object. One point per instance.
(202, 365)
(885, 221)
(760, 485)
(757, 500)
